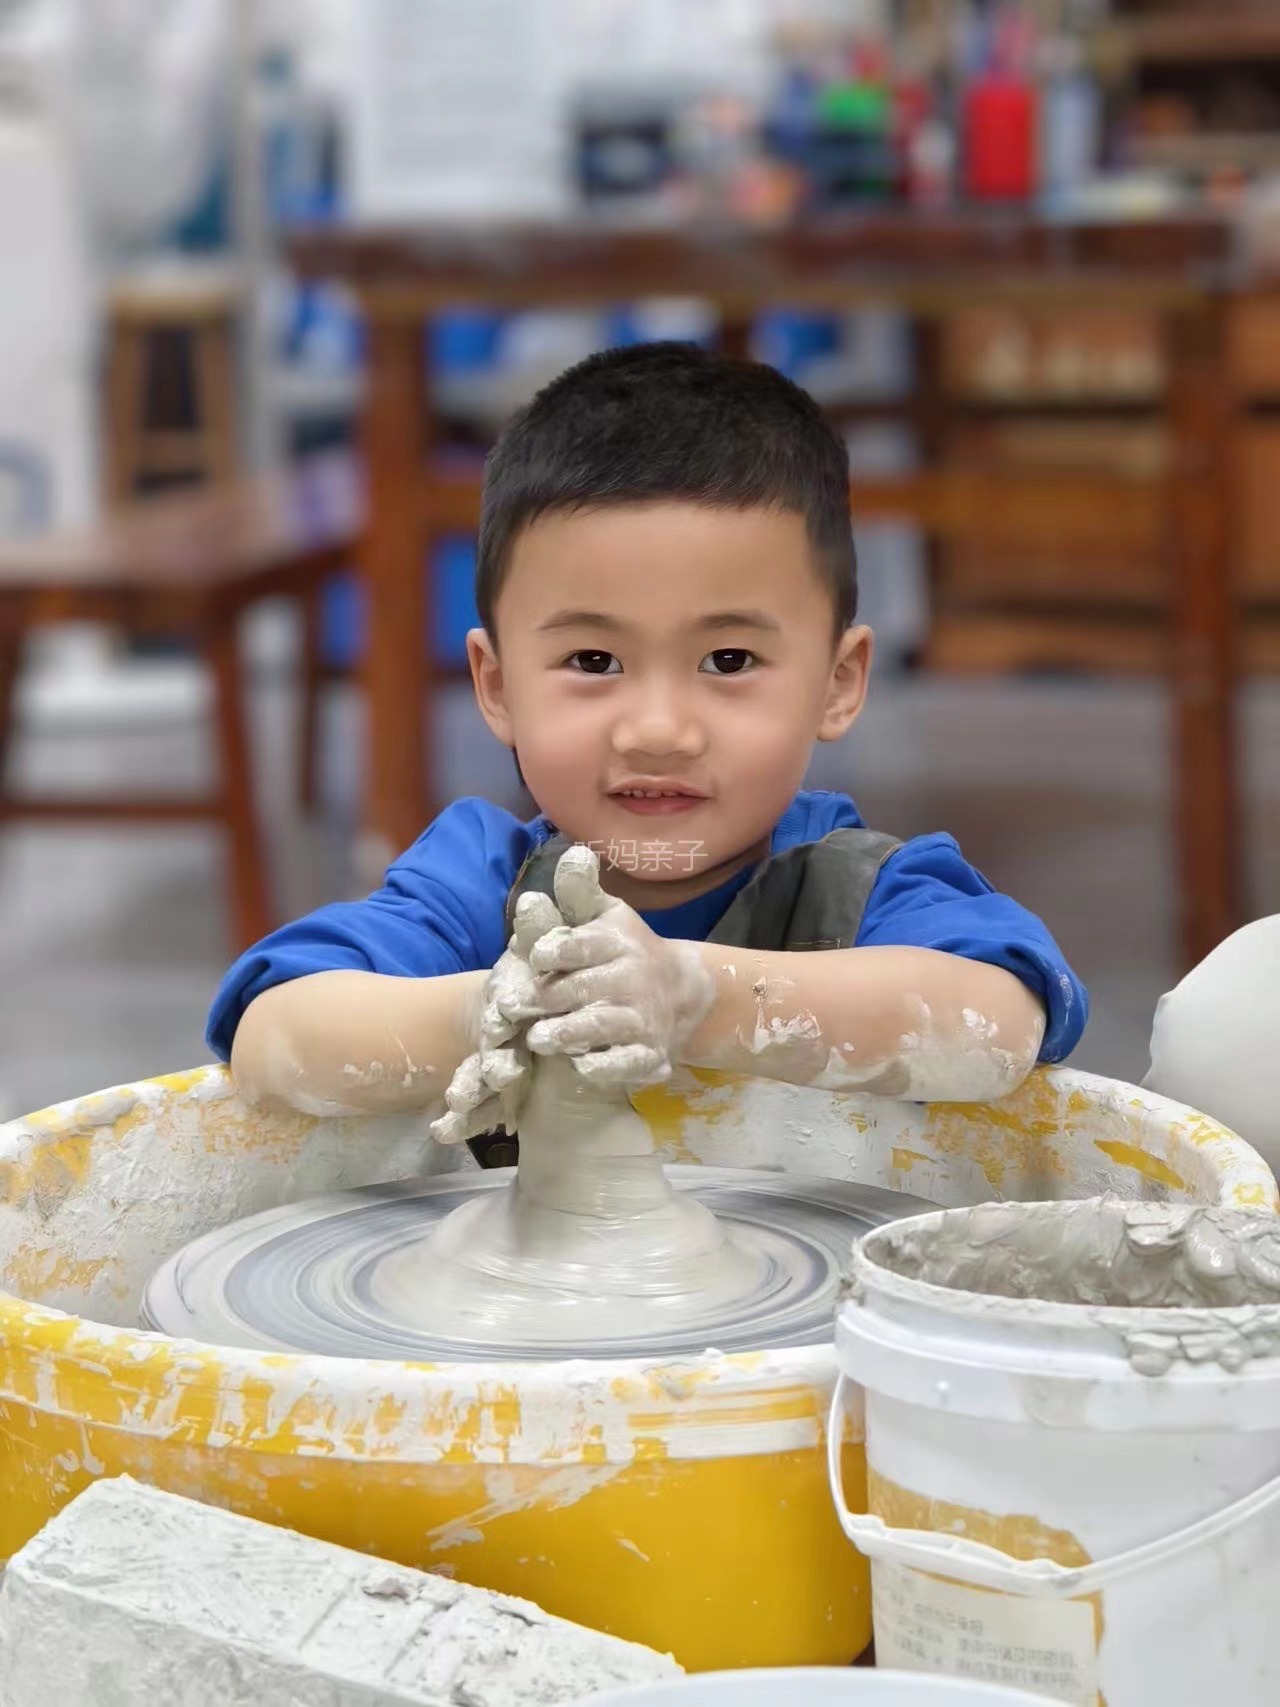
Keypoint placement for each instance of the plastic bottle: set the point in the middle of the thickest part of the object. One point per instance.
(1070, 122)
(1000, 119)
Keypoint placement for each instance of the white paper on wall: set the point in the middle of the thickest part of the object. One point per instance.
(459, 110)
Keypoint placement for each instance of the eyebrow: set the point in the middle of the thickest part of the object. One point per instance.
(742, 619)
(579, 619)
(714, 623)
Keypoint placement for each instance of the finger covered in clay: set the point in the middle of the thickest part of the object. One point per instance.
(588, 1028)
(535, 915)
(577, 885)
(572, 947)
(624, 1066)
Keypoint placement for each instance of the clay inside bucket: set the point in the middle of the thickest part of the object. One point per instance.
(1101, 1252)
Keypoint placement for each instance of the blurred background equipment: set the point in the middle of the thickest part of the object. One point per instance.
(1021, 249)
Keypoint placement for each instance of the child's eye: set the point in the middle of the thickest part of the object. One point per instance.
(594, 663)
(728, 661)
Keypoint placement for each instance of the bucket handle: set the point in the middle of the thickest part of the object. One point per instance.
(981, 1566)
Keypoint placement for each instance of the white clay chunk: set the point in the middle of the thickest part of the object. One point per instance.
(132, 1595)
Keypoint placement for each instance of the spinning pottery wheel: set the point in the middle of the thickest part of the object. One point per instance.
(334, 1275)
(678, 1500)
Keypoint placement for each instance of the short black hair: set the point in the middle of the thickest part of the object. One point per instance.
(669, 421)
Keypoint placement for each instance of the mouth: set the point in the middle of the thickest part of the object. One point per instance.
(656, 799)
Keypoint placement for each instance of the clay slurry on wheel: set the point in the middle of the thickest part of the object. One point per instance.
(329, 1276)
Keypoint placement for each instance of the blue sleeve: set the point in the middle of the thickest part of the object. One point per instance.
(441, 909)
(928, 896)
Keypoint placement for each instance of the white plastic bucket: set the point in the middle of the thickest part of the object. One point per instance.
(1127, 1522)
(819, 1687)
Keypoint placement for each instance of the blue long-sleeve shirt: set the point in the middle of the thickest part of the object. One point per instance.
(442, 909)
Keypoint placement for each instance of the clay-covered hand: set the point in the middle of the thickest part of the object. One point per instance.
(489, 1086)
(610, 994)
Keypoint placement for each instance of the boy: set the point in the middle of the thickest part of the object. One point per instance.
(666, 582)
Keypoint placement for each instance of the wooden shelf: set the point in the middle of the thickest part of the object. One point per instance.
(1126, 644)
(1191, 40)
(1209, 151)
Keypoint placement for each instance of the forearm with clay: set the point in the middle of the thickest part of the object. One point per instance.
(585, 978)
(905, 1022)
(901, 1022)
(350, 1042)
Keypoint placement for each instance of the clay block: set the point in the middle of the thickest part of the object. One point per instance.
(132, 1597)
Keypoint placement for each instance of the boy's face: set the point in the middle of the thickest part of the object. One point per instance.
(662, 671)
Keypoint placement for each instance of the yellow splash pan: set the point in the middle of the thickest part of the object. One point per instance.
(681, 1504)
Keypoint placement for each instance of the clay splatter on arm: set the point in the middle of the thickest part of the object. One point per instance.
(904, 1022)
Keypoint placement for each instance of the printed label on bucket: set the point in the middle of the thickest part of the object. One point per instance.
(1044, 1646)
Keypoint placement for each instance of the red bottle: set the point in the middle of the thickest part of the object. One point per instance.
(1000, 128)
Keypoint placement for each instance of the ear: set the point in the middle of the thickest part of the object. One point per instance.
(847, 684)
(490, 689)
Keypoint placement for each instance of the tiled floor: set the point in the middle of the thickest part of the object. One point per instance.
(111, 942)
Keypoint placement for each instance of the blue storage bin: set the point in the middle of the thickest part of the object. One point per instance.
(465, 340)
(789, 340)
(342, 628)
(626, 325)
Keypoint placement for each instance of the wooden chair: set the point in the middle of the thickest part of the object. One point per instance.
(199, 306)
(188, 564)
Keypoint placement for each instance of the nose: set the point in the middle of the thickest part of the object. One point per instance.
(658, 721)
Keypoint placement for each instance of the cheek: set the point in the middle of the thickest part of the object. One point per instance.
(558, 735)
(772, 723)
(760, 761)
(557, 783)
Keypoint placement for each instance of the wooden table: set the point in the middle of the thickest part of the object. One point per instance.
(190, 564)
(1172, 269)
